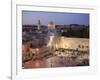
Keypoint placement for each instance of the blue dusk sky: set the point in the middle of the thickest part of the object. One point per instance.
(59, 18)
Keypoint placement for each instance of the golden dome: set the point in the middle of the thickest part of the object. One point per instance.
(51, 25)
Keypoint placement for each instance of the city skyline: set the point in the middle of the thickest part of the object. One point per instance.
(59, 18)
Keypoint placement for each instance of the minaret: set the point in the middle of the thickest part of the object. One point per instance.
(39, 25)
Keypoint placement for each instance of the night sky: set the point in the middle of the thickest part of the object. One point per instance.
(31, 18)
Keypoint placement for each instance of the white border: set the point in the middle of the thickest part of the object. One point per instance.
(17, 71)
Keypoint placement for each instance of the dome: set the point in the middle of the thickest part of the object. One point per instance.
(51, 25)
